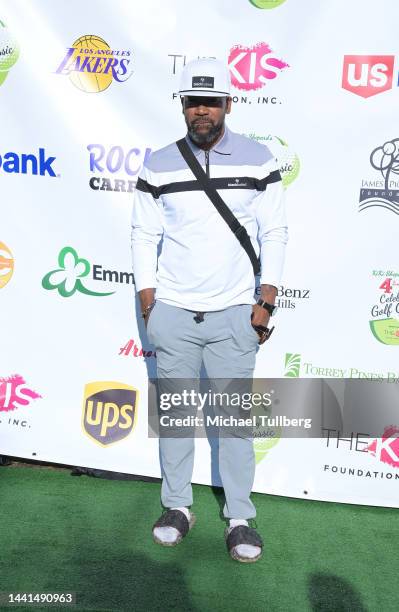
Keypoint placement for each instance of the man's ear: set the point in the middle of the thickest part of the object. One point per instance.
(228, 105)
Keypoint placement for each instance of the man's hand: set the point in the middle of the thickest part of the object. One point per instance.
(260, 315)
(147, 297)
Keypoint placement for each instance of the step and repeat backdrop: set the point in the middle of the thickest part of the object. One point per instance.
(87, 91)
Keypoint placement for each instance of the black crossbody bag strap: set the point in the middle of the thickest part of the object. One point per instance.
(238, 230)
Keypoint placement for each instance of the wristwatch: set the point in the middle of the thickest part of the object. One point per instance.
(271, 309)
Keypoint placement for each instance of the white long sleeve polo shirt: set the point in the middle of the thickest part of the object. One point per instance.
(183, 248)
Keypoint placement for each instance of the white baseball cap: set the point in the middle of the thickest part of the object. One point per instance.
(205, 77)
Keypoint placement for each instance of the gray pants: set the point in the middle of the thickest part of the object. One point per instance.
(226, 343)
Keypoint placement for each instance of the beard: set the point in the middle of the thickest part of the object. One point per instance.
(204, 136)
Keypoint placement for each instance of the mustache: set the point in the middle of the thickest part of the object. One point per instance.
(202, 122)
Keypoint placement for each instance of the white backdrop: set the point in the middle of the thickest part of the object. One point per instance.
(322, 107)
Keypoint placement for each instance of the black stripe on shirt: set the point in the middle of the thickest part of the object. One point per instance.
(234, 182)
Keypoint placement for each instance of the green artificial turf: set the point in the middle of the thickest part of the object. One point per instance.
(93, 537)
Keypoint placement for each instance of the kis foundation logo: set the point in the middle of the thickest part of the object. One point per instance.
(367, 75)
(67, 278)
(253, 68)
(6, 265)
(15, 393)
(382, 192)
(115, 168)
(109, 411)
(92, 65)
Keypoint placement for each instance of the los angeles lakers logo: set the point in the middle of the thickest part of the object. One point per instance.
(92, 65)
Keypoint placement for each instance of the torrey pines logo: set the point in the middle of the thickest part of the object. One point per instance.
(92, 64)
(109, 411)
(9, 52)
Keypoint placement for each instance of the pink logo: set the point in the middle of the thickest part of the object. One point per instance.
(367, 75)
(253, 67)
(135, 350)
(15, 394)
(386, 448)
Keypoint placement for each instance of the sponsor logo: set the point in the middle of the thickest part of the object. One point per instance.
(15, 393)
(133, 349)
(9, 52)
(267, 4)
(203, 81)
(6, 265)
(251, 68)
(28, 163)
(92, 65)
(385, 449)
(383, 192)
(385, 313)
(296, 366)
(367, 75)
(66, 279)
(287, 159)
(292, 365)
(287, 297)
(237, 184)
(109, 411)
(115, 160)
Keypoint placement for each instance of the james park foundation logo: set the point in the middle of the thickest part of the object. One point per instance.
(9, 52)
(287, 159)
(384, 323)
(15, 393)
(92, 65)
(6, 265)
(67, 278)
(383, 192)
(115, 168)
(267, 4)
(109, 411)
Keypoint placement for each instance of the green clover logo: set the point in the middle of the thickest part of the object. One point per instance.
(66, 278)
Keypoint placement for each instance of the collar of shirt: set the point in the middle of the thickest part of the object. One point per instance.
(223, 147)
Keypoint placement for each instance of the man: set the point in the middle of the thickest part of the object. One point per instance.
(197, 297)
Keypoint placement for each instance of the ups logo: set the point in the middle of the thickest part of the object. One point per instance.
(109, 411)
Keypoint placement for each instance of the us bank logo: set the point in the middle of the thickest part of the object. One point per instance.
(252, 68)
(109, 411)
(92, 65)
(9, 51)
(382, 190)
(367, 75)
(74, 273)
(36, 164)
(6, 265)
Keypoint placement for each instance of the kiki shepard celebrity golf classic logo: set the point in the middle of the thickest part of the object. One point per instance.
(6, 265)
(9, 52)
(287, 159)
(267, 4)
(109, 411)
(73, 272)
(384, 323)
(382, 192)
(92, 65)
